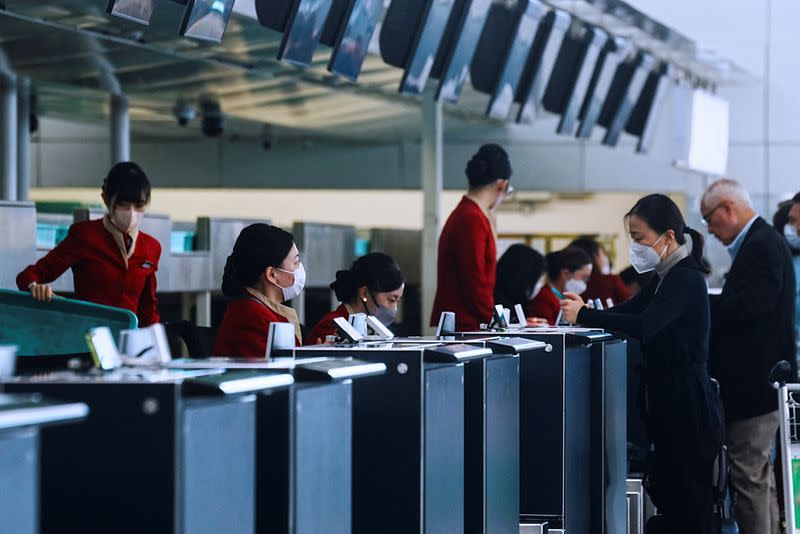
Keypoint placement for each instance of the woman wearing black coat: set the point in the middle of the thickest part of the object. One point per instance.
(671, 317)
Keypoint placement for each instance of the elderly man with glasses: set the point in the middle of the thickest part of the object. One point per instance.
(752, 328)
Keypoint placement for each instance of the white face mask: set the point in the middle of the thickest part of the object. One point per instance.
(294, 290)
(790, 233)
(643, 258)
(126, 219)
(576, 286)
(536, 289)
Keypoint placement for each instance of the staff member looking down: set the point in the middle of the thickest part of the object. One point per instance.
(467, 246)
(519, 279)
(603, 284)
(262, 273)
(373, 285)
(568, 271)
(671, 316)
(112, 262)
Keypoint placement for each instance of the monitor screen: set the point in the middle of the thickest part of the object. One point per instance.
(206, 19)
(511, 73)
(643, 122)
(425, 47)
(462, 49)
(303, 31)
(623, 95)
(351, 47)
(613, 54)
(703, 145)
(135, 10)
(540, 65)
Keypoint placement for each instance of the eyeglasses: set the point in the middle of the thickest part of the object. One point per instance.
(509, 190)
(707, 216)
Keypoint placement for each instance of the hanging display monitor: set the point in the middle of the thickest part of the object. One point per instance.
(303, 30)
(515, 61)
(643, 122)
(540, 65)
(614, 53)
(350, 47)
(136, 10)
(623, 95)
(458, 47)
(426, 45)
(206, 19)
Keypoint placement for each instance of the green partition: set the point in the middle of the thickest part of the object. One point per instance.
(57, 327)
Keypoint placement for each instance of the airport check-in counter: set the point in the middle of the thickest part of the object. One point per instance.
(408, 436)
(22, 418)
(161, 452)
(572, 429)
(304, 449)
(491, 431)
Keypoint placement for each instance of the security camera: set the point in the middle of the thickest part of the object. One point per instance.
(184, 113)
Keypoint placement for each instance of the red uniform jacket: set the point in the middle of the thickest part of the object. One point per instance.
(245, 328)
(467, 267)
(100, 272)
(545, 305)
(606, 286)
(326, 326)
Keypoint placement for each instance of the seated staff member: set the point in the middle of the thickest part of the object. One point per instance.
(603, 284)
(262, 273)
(567, 271)
(112, 262)
(467, 247)
(372, 285)
(671, 316)
(519, 273)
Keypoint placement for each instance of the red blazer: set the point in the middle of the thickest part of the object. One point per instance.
(245, 328)
(606, 286)
(545, 305)
(467, 267)
(326, 326)
(99, 270)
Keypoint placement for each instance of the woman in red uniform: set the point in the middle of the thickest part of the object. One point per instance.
(603, 284)
(262, 272)
(373, 285)
(567, 270)
(112, 262)
(467, 246)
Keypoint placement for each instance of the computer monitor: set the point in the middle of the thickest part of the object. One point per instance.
(425, 47)
(614, 52)
(303, 30)
(643, 122)
(623, 95)
(136, 10)
(206, 20)
(353, 38)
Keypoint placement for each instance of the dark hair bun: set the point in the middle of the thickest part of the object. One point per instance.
(258, 246)
(345, 285)
(127, 182)
(489, 164)
(377, 271)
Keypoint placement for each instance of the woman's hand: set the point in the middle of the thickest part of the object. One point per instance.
(571, 307)
(42, 292)
(537, 321)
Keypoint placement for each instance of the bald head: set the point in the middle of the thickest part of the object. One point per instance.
(726, 208)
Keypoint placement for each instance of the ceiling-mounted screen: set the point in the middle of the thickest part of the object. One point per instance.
(703, 140)
(353, 40)
(458, 48)
(135, 10)
(511, 74)
(643, 122)
(303, 31)
(623, 95)
(424, 49)
(572, 73)
(274, 14)
(540, 65)
(206, 19)
(614, 53)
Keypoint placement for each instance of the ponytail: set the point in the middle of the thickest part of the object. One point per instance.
(698, 245)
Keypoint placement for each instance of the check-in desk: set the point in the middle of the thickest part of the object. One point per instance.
(161, 452)
(572, 429)
(303, 442)
(22, 418)
(408, 436)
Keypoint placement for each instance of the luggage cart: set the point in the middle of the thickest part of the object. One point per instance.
(789, 435)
